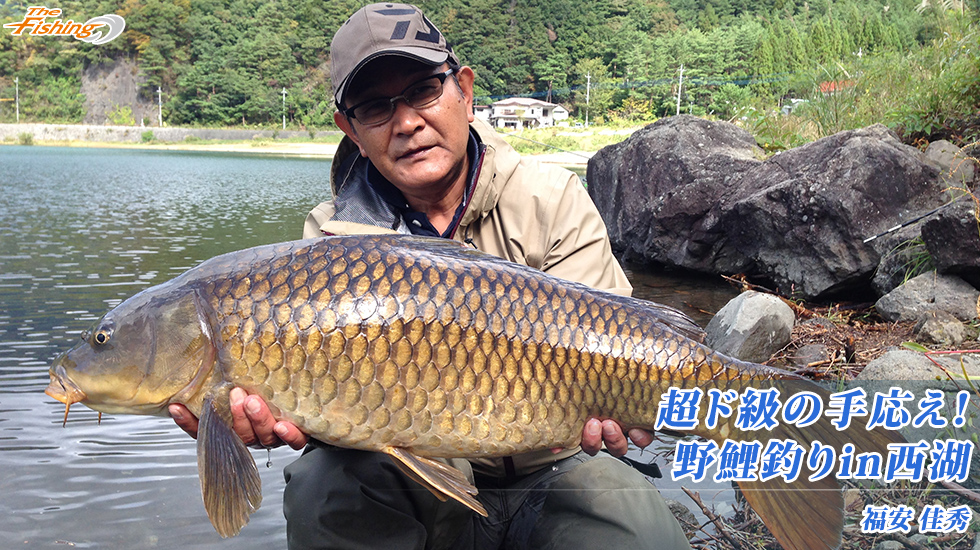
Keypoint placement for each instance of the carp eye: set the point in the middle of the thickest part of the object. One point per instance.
(101, 337)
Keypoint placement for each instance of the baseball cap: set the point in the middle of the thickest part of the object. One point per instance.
(384, 29)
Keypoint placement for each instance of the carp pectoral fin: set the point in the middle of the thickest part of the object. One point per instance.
(230, 481)
(802, 515)
(441, 479)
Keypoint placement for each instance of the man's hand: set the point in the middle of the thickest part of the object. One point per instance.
(252, 421)
(597, 432)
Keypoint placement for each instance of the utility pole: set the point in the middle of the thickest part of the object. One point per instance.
(588, 89)
(17, 96)
(159, 107)
(284, 108)
(680, 84)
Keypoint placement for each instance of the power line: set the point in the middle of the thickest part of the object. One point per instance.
(689, 80)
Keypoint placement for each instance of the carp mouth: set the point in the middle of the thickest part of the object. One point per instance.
(63, 389)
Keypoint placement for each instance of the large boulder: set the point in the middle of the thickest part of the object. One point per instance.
(958, 168)
(657, 191)
(952, 238)
(691, 193)
(927, 292)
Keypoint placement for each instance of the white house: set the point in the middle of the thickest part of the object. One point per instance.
(523, 111)
(482, 112)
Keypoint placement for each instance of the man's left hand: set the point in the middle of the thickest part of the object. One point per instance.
(252, 421)
(597, 432)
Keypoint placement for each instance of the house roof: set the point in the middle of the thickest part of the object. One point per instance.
(524, 102)
(831, 86)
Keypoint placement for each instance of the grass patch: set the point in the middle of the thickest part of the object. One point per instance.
(927, 94)
(556, 139)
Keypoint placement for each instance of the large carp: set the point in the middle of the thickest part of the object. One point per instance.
(418, 348)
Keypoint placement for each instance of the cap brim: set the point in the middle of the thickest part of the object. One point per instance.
(424, 55)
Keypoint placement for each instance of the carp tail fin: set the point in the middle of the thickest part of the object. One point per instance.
(800, 513)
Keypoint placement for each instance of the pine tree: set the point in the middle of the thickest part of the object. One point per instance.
(764, 62)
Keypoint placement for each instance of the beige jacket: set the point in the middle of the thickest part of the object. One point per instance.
(527, 212)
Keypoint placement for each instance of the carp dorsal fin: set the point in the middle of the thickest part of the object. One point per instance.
(230, 481)
(442, 480)
(677, 320)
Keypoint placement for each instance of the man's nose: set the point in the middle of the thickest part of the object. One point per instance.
(406, 119)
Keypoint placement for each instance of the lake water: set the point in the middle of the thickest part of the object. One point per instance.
(83, 229)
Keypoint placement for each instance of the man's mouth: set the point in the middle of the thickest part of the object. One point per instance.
(415, 152)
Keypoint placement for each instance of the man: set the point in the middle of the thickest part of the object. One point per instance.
(414, 160)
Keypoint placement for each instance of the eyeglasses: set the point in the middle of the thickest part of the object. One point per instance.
(419, 95)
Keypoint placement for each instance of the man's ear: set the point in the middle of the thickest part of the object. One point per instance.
(347, 128)
(465, 76)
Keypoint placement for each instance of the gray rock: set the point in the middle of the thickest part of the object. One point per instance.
(690, 193)
(952, 238)
(903, 255)
(658, 189)
(889, 545)
(930, 291)
(751, 327)
(687, 519)
(811, 353)
(939, 327)
(957, 167)
(898, 365)
(114, 82)
(902, 365)
(916, 373)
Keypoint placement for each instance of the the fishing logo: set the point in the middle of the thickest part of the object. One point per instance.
(35, 23)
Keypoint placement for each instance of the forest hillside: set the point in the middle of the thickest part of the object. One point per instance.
(227, 62)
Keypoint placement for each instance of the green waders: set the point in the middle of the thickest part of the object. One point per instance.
(347, 499)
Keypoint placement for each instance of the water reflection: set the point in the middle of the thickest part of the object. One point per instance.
(81, 230)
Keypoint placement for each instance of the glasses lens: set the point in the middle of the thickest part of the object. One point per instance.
(374, 111)
(418, 95)
(425, 92)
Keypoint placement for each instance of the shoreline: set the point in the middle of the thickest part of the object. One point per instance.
(310, 149)
(319, 144)
(571, 159)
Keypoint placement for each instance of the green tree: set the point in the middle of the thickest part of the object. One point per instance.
(553, 70)
(708, 19)
(729, 99)
(822, 42)
(764, 61)
(594, 90)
